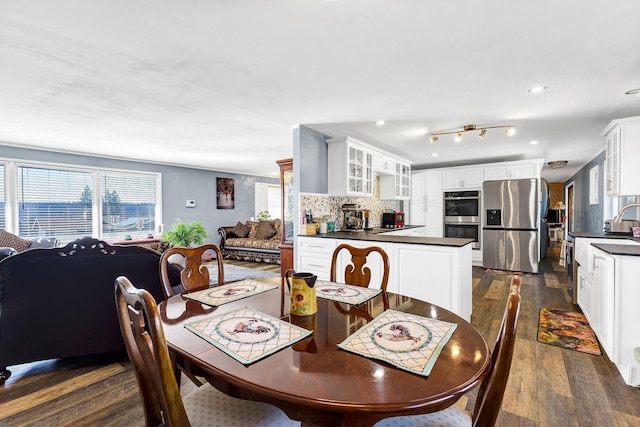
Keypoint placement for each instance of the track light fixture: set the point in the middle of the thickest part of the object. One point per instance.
(510, 130)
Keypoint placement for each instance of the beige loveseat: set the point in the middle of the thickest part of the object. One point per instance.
(252, 241)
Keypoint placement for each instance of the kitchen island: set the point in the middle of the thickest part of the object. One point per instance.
(436, 270)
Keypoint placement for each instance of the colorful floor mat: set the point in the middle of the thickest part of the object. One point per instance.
(567, 329)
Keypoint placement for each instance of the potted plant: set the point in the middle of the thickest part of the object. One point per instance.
(186, 235)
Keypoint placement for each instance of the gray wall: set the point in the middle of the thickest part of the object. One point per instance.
(311, 160)
(587, 218)
(178, 185)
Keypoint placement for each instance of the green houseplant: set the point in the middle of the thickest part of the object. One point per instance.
(185, 235)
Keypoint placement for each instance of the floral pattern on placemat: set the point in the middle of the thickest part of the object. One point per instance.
(230, 292)
(247, 335)
(404, 340)
(341, 292)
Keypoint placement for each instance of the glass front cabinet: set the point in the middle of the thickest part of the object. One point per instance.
(286, 188)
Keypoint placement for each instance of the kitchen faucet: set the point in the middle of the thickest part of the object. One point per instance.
(619, 216)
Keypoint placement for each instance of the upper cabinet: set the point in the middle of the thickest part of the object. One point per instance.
(383, 164)
(350, 168)
(458, 178)
(622, 138)
(352, 164)
(398, 185)
(516, 170)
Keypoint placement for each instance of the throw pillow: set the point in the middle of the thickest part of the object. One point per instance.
(240, 230)
(12, 241)
(277, 225)
(253, 228)
(265, 230)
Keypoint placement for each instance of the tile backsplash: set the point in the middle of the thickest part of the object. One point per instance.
(322, 205)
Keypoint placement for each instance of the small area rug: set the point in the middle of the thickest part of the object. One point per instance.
(234, 272)
(567, 329)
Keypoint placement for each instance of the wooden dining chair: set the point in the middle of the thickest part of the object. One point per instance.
(491, 391)
(149, 354)
(193, 273)
(357, 273)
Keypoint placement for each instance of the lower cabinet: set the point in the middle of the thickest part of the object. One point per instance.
(602, 305)
(585, 294)
(608, 294)
(313, 255)
(437, 274)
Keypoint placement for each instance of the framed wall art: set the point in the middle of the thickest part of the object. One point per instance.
(225, 193)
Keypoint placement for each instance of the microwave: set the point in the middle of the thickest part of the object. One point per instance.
(392, 219)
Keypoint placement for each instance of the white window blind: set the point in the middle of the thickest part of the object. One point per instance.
(54, 202)
(128, 205)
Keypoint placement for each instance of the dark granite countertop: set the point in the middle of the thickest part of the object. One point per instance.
(376, 235)
(612, 249)
(602, 235)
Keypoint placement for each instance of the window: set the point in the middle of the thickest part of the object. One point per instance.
(593, 185)
(54, 202)
(128, 204)
(71, 202)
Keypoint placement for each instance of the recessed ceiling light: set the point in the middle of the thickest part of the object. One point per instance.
(380, 122)
(537, 89)
(534, 143)
(434, 155)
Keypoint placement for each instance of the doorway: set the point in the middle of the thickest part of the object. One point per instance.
(569, 204)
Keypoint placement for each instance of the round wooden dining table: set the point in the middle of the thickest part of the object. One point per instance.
(317, 383)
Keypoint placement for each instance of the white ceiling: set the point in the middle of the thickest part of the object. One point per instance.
(219, 84)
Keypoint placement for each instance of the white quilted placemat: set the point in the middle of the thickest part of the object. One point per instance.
(247, 335)
(407, 341)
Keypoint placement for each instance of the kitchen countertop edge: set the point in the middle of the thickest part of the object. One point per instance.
(377, 235)
(613, 249)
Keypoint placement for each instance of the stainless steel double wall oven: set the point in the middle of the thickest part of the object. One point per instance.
(463, 215)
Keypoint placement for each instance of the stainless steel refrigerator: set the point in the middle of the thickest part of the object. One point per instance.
(510, 225)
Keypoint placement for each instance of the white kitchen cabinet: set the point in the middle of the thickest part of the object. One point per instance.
(608, 294)
(313, 255)
(433, 273)
(585, 293)
(525, 170)
(622, 139)
(350, 168)
(603, 307)
(383, 164)
(430, 215)
(437, 274)
(459, 178)
(425, 205)
(398, 185)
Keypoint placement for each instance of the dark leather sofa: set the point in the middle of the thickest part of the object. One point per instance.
(59, 302)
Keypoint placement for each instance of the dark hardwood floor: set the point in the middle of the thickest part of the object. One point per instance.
(548, 386)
